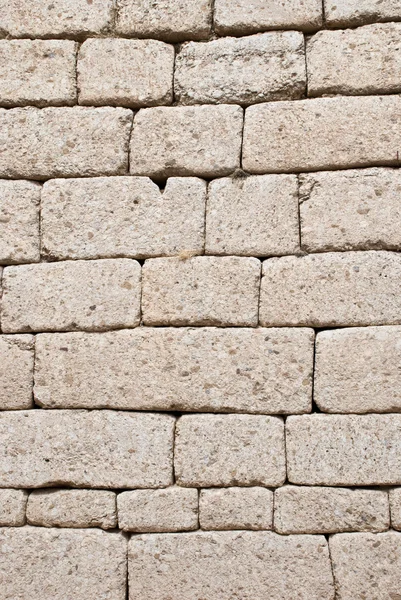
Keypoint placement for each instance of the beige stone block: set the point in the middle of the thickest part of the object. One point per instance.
(350, 13)
(122, 216)
(259, 68)
(203, 290)
(357, 370)
(12, 508)
(93, 295)
(322, 133)
(123, 72)
(366, 565)
(253, 216)
(329, 510)
(331, 290)
(16, 371)
(171, 509)
(172, 20)
(186, 140)
(350, 210)
(56, 564)
(92, 449)
(340, 450)
(19, 221)
(236, 508)
(226, 565)
(228, 450)
(395, 508)
(64, 142)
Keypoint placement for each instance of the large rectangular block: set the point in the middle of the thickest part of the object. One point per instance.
(229, 450)
(122, 216)
(350, 13)
(200, 369)
(269, 66)
(94, 295)
(186, 140)
(395, 508)
(12, 508)
(64, 142)
(324, 133)
(344, 449)
(16, 371)
(227, 565)
(331, 290)
(202, 290)
(236, 508)
(103, 449)
(56, 564)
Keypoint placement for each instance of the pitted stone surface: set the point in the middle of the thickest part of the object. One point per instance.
(350, 13)
(395, 508)
(16, 371)
(236, 508)
(12, 508)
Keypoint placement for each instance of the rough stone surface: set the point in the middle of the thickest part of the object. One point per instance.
(202, 290)
(200, 369)
(72, 508)
(56, 564)
(85, 449)
(253, 216)
(226, 565)
(358, 370)
(171, 509)
(269, 66)
(122, 216)
(12, 508)
(186, 140)
(95, 295)
(236, 508)
(329, 510)
(395, 508)
(331, 290)
(349, 13)
(322, 133)
(344, 449)
(64, 142)
(229, 450)
(16, 371)
(125, 72)
(357, 209)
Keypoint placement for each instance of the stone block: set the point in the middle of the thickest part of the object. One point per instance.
(236, 508)
(395, 508)
(16, 371)
(12, 508)
(351, 13)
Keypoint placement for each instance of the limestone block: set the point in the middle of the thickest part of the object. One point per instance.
(349, 13)
(12, 508)
(395, 508)
(16, 371)
(236, 508)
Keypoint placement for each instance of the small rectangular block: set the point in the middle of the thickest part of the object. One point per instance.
(395, 508)
(16, 371)
(236, 508)
(12, 508)
(350, 13)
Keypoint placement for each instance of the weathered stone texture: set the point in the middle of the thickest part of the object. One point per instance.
(322, 133)
(395, 508)
(269, 66)
(64, 142)
(16, 371)
(329, 510)
(122, 72)
(56, 564)
(122, 216)
(344, 449)
(358, 370)
(236, 508)
(85, 449)
(349, 13)
(229, 450)
(226, 565)
(171, 509)
(12, 508)
(202, 290)
(331, 290)
(186, 140)
(72, 508)
(94, 295)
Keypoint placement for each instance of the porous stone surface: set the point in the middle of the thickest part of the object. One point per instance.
(224, 565)
(12, 508)
(322, 133)
(122, 216)
(350, 210)
(339, 450)
(331, 290)
(122, 72)
(72, 508)
(395, 508)
(171, 509)
(329, 510)
(94, 295)
(236, 508)
(253, 216)
(92, 449)
(186, 140)
(350, 13)
(229, 450)
(268, 66)
(55, 564)
(16, 371)
(64, 142)
(202, 290)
